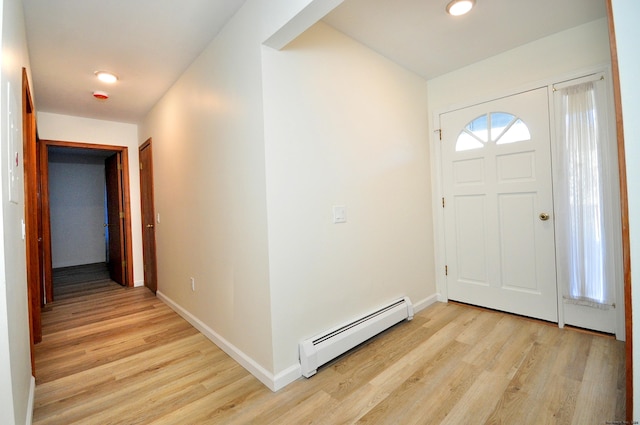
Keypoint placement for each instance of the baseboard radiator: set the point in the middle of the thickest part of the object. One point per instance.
(316, 351)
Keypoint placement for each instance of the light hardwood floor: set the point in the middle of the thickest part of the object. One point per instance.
(112, 355)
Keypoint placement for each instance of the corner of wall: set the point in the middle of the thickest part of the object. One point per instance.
(272, 382)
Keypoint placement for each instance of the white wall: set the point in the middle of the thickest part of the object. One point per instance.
(626, 14)
(208, 134)
(256, 219)
(344, 126)
(208, 154)
(15, 364)
(77, 207)
(84, 130)
(568, 51)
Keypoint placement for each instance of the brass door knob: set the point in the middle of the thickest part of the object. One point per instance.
(544, 216)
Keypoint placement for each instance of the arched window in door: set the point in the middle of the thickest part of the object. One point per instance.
(500, 128)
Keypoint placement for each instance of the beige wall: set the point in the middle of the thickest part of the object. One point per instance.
(15, 365)
(208, 153)
(344, 126)
(85, 130)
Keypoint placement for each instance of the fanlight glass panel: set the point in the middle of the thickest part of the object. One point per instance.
(498, 127)
(500, 121)
(516, 132)
(467, 142)
(479, 128)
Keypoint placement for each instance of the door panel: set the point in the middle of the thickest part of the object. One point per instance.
(471, 239)
(117, 269)
(497, 182)
(517, 241)
(148, 217)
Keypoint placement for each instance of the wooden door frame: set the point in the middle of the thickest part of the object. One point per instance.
(31, 214)
(624, 213)
(148, 145)
(46, 212)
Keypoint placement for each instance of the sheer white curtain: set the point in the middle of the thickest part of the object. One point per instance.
(585, 222)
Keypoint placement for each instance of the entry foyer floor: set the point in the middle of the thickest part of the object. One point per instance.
(113, 355)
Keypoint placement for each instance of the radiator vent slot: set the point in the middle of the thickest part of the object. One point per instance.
(316, 351)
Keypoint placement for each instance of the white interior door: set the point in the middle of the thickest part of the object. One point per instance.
(498, 206)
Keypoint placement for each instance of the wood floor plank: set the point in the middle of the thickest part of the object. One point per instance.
(178, 385)
(428, 379)
(479, 401)
(438, 404)
(114, 355)
(216, 406)
(483, 352)
(405, 366)
(111, 376)
(270, 409)
(600, 376)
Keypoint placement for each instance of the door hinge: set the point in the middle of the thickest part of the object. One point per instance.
(141, 165)
(443, 202)
(440, 133)
(124, 263)
(121, 214)
(119, 166)
(446, 270)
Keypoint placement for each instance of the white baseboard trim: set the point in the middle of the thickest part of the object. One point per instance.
(274, 383)
(31, 401)
(422, 304)
(287, 376)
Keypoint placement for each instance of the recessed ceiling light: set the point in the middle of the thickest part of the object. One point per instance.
(460, 7)
(106, 77)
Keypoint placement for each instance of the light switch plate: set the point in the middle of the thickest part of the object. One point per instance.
(339, 214)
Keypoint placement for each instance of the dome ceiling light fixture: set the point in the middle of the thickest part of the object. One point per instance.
(460, 7)
(106, 77)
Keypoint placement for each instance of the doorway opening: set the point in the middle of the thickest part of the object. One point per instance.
(86, 210)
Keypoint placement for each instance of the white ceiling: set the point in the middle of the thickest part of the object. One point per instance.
(422, 37)
(149, 43)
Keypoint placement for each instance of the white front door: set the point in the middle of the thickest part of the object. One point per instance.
(498, 205)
